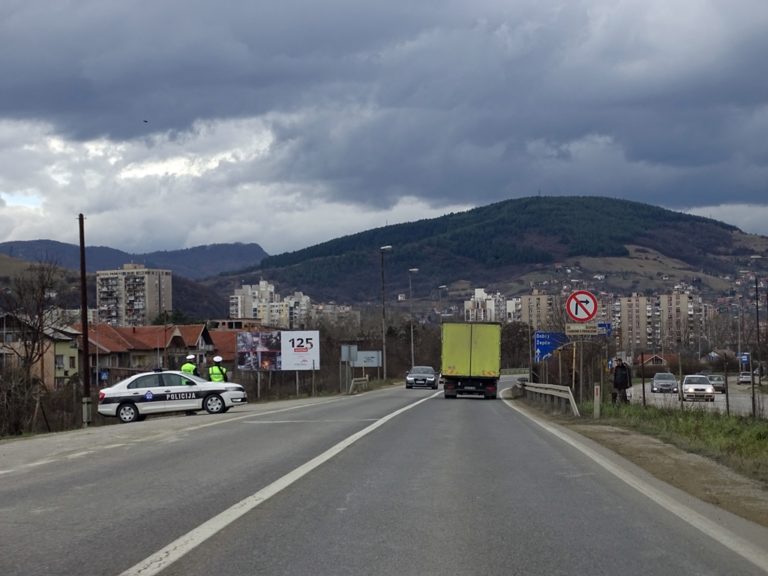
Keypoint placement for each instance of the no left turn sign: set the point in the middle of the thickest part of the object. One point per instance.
(581, 306)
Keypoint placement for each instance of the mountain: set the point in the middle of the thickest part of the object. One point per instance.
(511, 246)
(193, 300)
(194, 263)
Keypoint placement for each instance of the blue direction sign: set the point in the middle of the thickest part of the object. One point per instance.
(547, 342)
(604, 328)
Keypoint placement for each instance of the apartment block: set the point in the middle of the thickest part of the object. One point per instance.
(540, 311)
(483, 307)
(134, 295)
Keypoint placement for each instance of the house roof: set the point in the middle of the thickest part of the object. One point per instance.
(192, 333)
(225, 344)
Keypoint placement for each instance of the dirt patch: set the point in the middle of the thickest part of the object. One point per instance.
(697, 475)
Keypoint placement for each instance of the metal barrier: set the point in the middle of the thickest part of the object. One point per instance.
(358, 384)
(551, 395)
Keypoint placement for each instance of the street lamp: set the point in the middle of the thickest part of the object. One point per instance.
(411, 272)
(439, 307)
(382, 250)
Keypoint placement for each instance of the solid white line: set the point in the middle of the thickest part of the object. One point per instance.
(79, 454)
(757, 555)
(181, 546)
(307, 421)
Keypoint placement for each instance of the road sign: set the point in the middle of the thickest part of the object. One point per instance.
(604, 328)
(581, 306)
(548, 342)
(581, 329)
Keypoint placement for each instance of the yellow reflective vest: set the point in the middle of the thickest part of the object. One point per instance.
(217, 373)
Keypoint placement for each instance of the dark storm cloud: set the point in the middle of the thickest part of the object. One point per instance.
(447, 102)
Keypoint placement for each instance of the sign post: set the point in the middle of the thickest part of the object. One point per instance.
(581, 307)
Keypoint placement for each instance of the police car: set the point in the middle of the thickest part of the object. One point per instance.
(168, 391)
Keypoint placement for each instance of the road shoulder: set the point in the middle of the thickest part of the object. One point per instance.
(698, 476)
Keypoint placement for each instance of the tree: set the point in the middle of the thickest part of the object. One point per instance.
(30, 317)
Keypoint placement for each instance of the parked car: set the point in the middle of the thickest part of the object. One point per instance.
(744, 378)
(698, 387)
(664, 382)
(421, 376)
(169, 391)
(718, 382)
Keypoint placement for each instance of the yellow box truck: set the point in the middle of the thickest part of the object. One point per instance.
(471, 358)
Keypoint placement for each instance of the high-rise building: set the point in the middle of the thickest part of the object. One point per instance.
(539, 310)
(484, 307)
(134, 295)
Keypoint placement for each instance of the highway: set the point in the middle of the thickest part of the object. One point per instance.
(391, 482)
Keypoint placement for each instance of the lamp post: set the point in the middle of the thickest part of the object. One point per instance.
(439, 304)
(382, 250)
(411, 272)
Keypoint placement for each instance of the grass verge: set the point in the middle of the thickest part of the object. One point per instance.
(741, 443)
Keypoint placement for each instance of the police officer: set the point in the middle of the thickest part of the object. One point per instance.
(217, 372)
(189, 366)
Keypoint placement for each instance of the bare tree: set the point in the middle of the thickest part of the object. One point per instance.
(29, 320)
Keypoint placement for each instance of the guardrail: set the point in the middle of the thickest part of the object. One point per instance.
(551, 395)
(358, 384)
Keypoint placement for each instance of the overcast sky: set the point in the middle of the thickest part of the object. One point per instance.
(175, 123)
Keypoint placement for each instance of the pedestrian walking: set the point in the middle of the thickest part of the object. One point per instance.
(622, 380)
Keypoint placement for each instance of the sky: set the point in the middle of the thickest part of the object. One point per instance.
(177, 123)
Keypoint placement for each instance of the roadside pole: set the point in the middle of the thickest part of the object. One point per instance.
(598, 400)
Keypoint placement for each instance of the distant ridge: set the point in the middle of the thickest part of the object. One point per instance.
(193, 263)
(510, 246)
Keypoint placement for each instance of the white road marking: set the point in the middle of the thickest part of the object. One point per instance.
(758, 556)
(79, 454)
(186, 543)
(308, 421)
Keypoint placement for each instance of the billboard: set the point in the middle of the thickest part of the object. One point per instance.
(300, 350)
(278, 350)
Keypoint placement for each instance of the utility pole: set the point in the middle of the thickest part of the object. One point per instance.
(757, 350)
(86, 358)
(382, 250)
(411, 272)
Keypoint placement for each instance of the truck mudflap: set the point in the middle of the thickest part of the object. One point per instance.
(485, 388)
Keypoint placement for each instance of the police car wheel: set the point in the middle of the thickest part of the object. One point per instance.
(127, 413)
(213, 404)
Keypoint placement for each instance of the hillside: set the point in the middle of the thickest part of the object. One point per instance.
(510, 244)
(194, 263)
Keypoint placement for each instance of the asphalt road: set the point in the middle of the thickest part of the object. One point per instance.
(394, 482)
(739, 399)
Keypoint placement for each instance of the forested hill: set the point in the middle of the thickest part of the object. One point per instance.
(193, 263)
(489, 243)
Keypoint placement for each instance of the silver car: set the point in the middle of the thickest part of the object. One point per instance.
(421, 376)
(664, 382)
(698, 387)
(718, 382)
